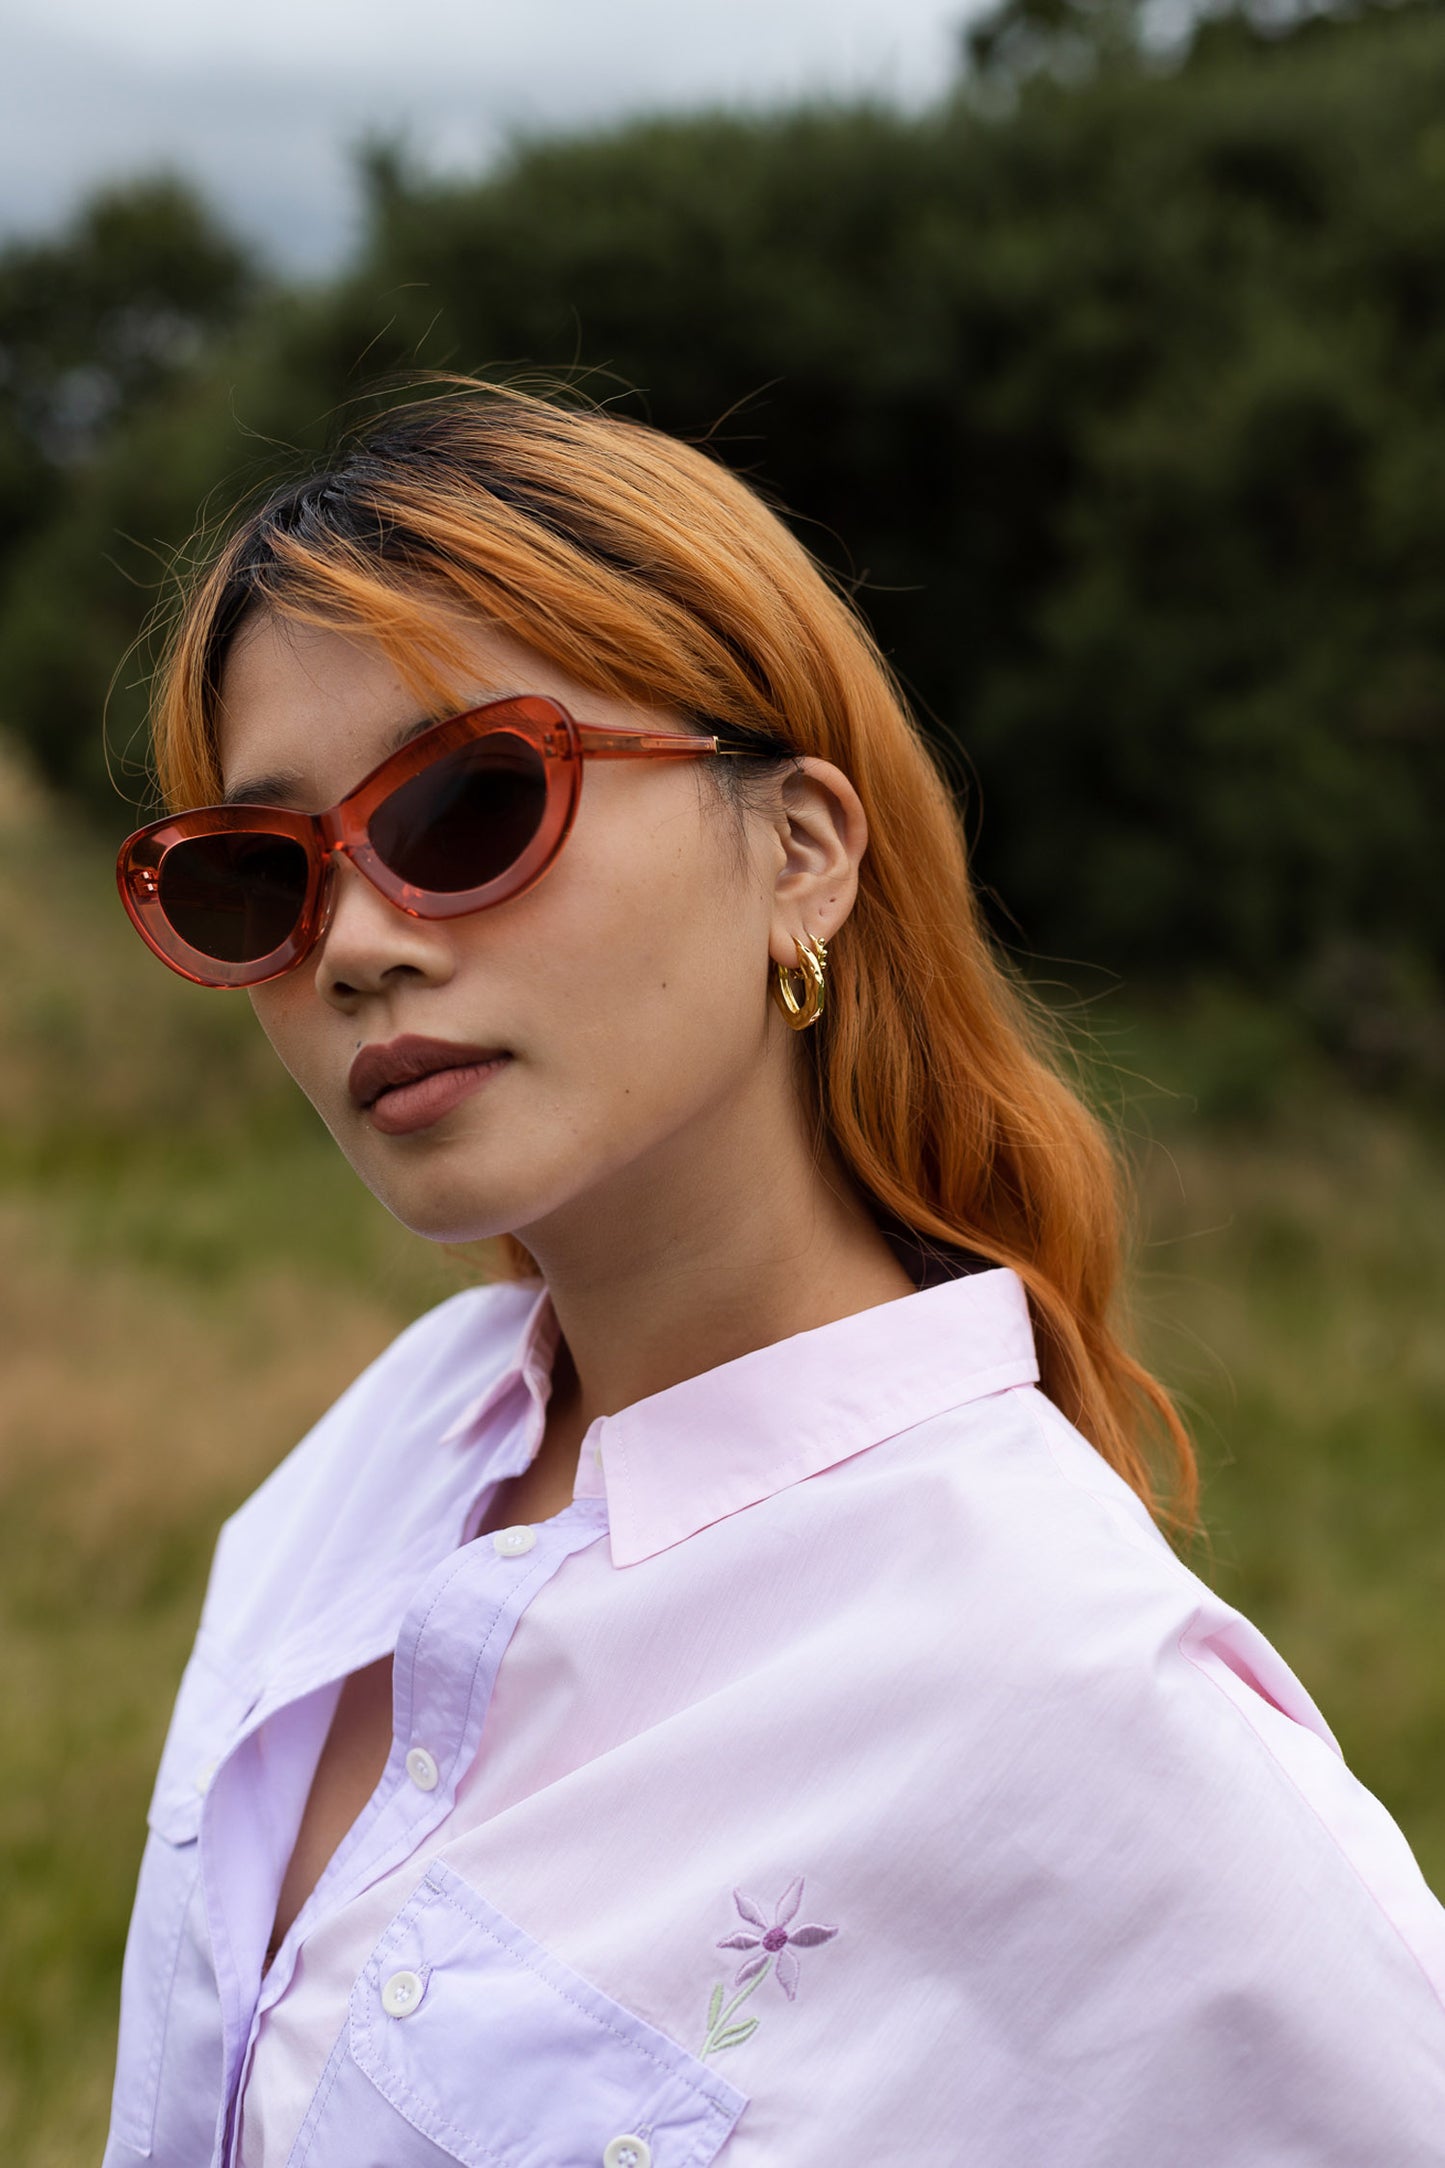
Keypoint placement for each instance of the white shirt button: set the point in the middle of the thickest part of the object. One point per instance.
(401, 1994)
(627, 2152)
(422, 1769)
(204, 1775)
(512, 1542)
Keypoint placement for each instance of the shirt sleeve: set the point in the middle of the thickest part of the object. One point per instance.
(1197, 1938)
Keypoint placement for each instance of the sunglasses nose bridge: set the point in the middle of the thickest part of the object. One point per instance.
(332, 854)
(338, 849)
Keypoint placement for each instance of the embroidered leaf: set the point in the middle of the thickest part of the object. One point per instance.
(714, 2006)
(736, 2034)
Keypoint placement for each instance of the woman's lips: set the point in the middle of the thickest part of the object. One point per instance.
(406, 1107)
(410, 1082)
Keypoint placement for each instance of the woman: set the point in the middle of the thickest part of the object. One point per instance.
(718, 1692)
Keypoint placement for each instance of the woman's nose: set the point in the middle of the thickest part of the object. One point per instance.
(369, 944)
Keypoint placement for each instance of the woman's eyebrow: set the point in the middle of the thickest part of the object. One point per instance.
(284, 785)
(273, 789)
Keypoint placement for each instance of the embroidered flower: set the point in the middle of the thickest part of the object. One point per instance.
(774, 1941)
(775, 1938)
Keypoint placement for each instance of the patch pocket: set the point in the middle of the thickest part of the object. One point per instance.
(210, 1705)
(503, 2057)
(152, 1950)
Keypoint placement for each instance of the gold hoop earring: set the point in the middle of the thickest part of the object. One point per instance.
(810, 967)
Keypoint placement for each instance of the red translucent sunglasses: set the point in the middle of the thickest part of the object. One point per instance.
(472, 812)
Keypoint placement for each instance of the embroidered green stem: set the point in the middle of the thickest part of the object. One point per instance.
(721, 2031)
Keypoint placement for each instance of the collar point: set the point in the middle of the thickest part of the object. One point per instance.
(628, 1548)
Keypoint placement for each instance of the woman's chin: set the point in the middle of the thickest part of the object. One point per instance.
(437, 1211)
(453, 1215)
(447, 1226)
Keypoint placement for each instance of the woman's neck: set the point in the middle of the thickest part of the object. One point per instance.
(728, 1240)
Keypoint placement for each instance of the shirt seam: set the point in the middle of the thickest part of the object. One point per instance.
(512, 1605)
(353, 1847)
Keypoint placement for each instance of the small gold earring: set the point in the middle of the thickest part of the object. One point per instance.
(810, 967)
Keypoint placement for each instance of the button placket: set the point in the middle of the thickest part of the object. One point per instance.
(396, 1822)
(443, 1698)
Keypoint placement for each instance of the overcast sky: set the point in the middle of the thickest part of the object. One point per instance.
(259, 101)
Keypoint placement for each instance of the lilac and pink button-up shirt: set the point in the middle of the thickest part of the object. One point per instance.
(850, 1773)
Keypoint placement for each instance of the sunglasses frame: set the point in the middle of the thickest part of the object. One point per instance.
(343, 830)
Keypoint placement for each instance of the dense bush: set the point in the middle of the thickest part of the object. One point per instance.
(1118, 396)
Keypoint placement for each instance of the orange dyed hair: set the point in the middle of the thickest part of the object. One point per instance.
(648, 571)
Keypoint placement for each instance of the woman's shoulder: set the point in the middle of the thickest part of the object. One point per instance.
(1044, 1545)
(1110, 1710)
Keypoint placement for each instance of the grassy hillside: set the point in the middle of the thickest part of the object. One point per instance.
(188, 1274)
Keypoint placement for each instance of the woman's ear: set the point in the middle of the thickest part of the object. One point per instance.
(823, 831)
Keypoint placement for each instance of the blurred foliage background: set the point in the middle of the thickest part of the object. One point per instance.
(1114, 386)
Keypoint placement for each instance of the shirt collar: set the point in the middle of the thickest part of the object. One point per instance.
(681, 1459)
(529, 1366)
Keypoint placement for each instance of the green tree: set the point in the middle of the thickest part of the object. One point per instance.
(99, 327)
(1118, 399)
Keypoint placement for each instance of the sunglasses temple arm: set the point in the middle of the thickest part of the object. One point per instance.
(599, 744)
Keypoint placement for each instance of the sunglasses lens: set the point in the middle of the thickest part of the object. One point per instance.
(234, 897)
(465, 819)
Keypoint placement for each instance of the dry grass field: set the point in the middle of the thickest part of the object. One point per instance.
(188, 1274)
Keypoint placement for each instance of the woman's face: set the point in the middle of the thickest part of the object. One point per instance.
(617, 1013)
